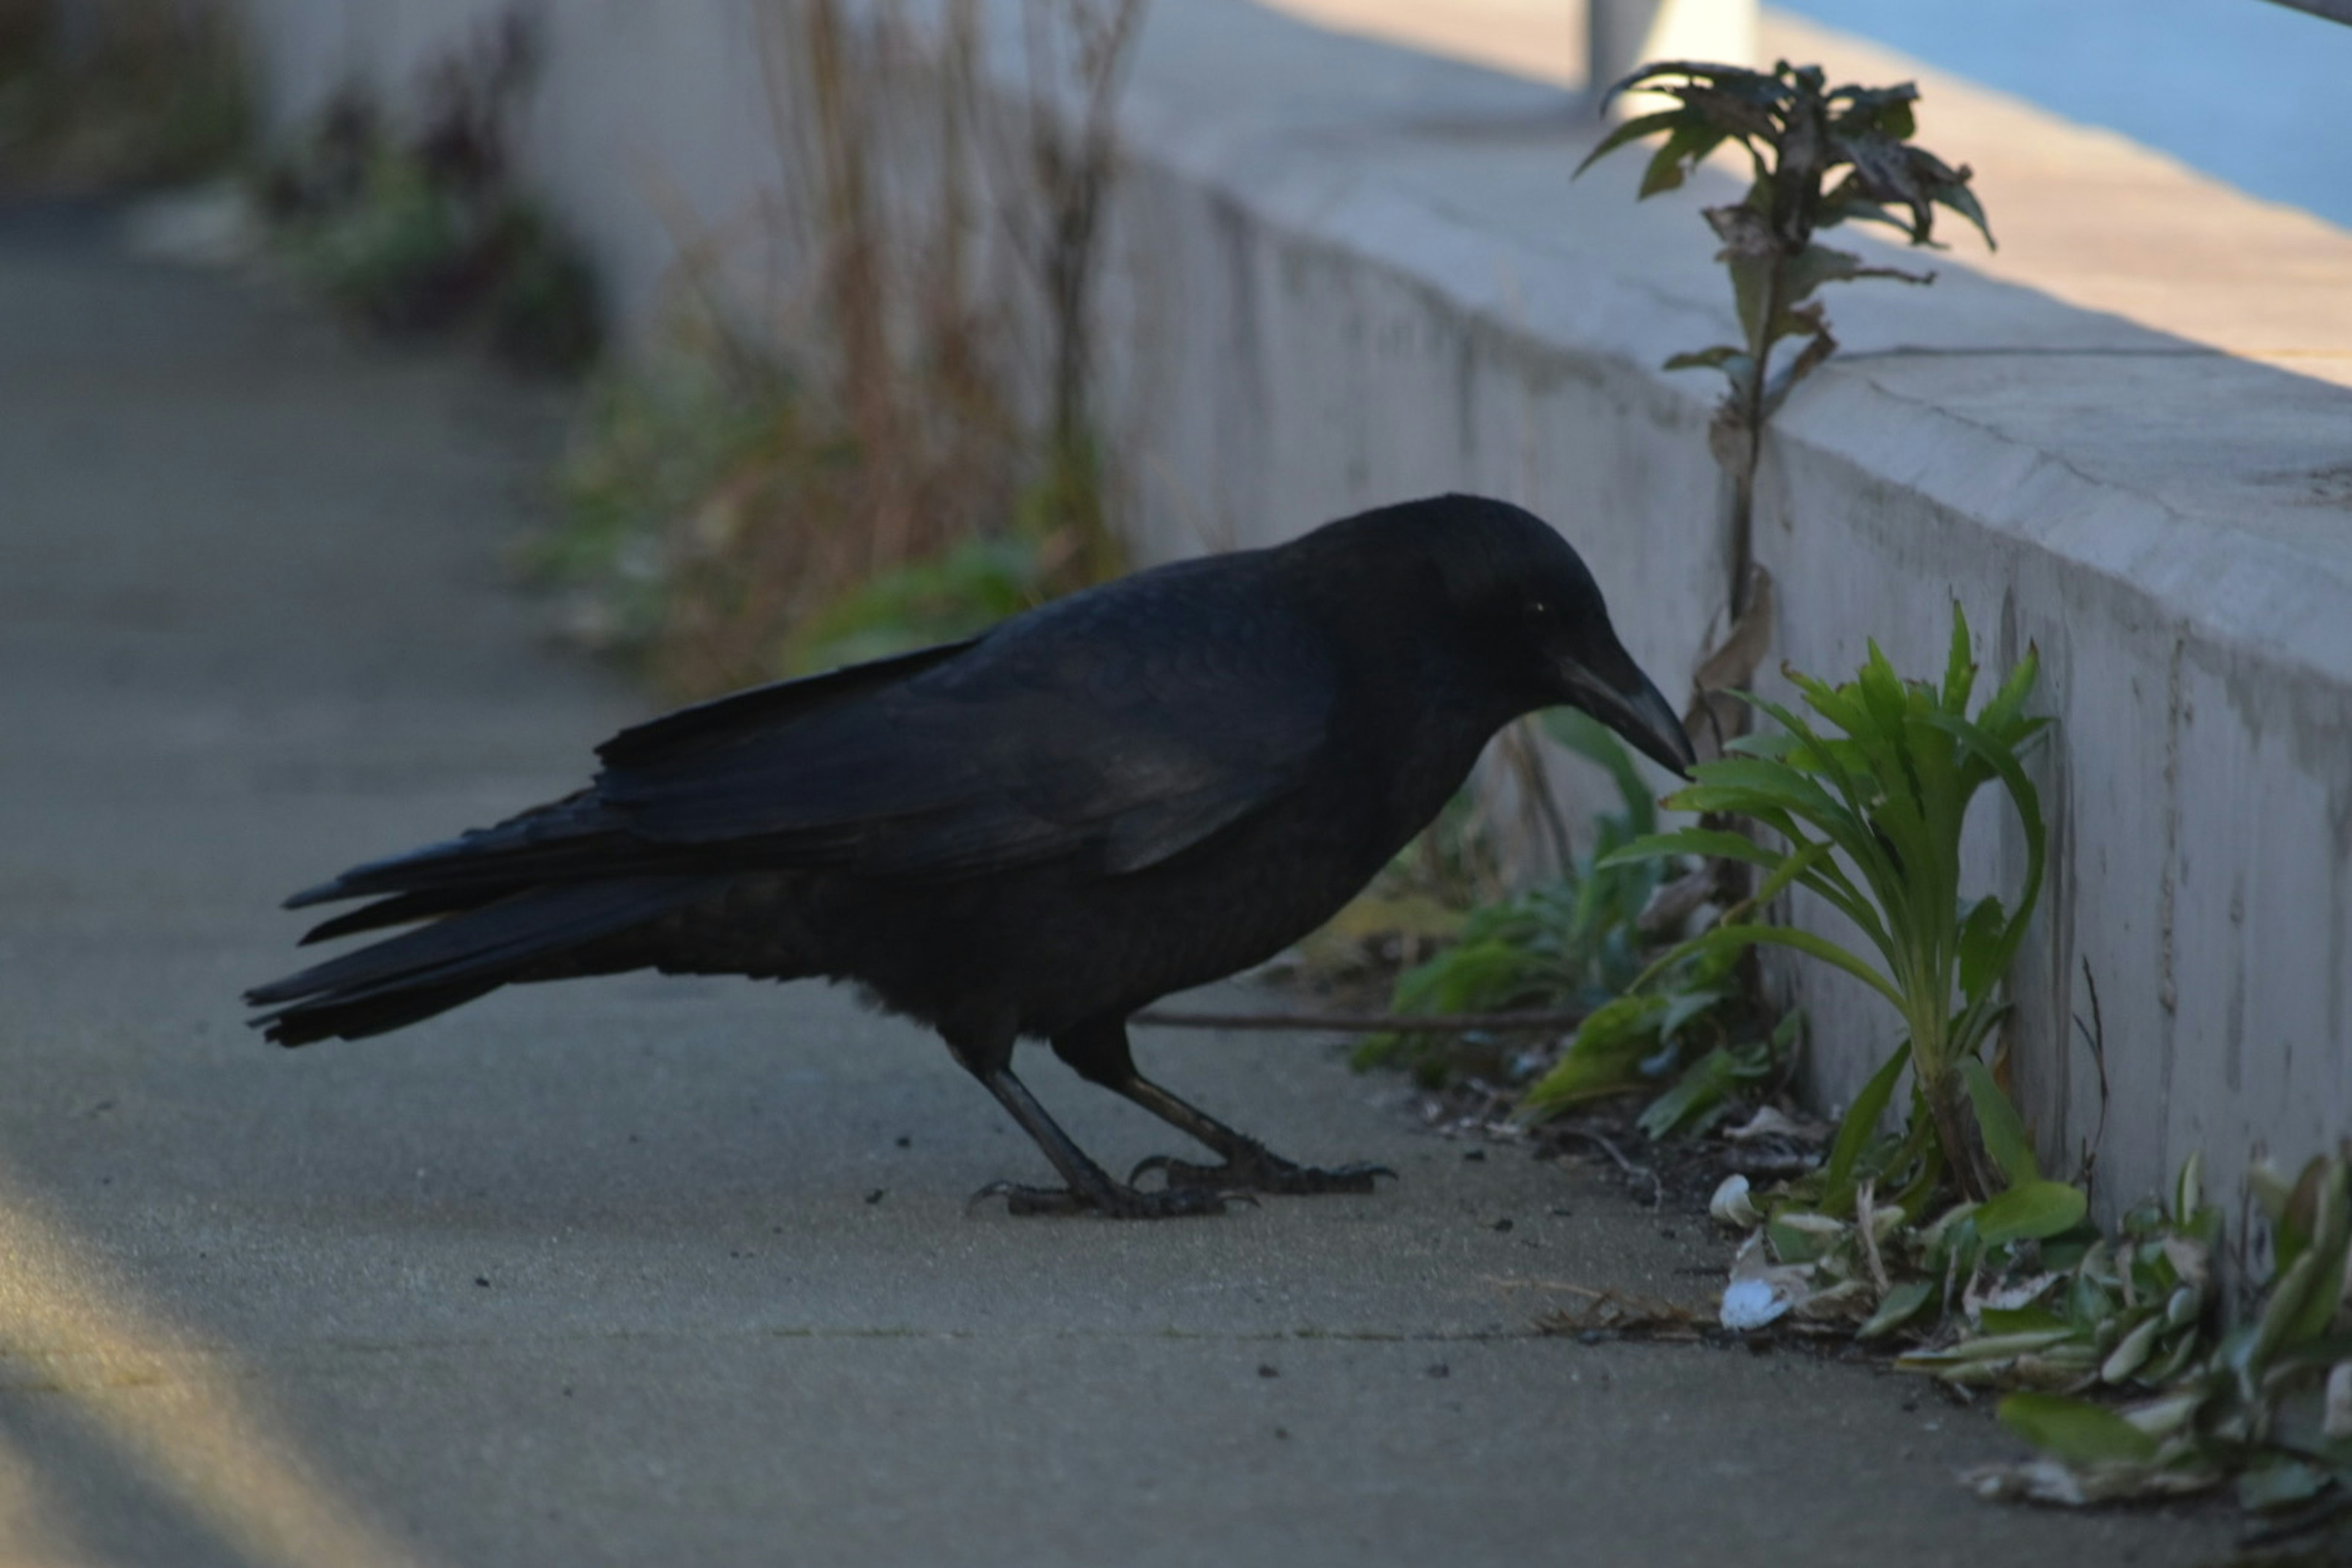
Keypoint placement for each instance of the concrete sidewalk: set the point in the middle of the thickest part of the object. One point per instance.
(651, 1271)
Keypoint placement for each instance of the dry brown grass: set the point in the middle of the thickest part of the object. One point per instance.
(897, 435)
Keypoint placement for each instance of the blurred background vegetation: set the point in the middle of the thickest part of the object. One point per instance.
(105, 94)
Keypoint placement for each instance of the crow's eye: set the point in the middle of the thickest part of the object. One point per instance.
(1540, 609)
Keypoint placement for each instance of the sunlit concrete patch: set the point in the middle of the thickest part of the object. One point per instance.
(177, 1415)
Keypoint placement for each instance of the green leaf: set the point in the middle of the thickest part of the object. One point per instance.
(1604, 1057)
(1902, 1304)
(2030, 1212)
(1734, 109)
(2008, 704)
(1652, 74)
(1801, 1237)
(1703, 1090)
(1681, 1007)
(1806, 942)
(1706, 841)
(1960, 666)
(1818, 264)
(1689, 143)
(1632, 129)
(2269, 1186)
(1836, 704)
(2075, 1431)
(2304, 1296)
(2003, 1130)
(2189, 1189)
(2331, 1236)
(2028, 802)
(1775, 782)
(2280, 1483)
(1859, 1127)
(1956, 195)
(1981, 947)
(2021, 1320)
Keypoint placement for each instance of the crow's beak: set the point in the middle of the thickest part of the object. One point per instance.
(1637, 709)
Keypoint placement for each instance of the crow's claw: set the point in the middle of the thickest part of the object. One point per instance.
(1260, 1171)
(1113, 1203)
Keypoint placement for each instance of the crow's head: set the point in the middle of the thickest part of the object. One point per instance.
(1539, 623)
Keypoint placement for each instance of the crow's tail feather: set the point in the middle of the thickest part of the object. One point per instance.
(465, 954)
(355, 1020)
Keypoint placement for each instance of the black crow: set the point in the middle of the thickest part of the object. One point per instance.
(1140, 788)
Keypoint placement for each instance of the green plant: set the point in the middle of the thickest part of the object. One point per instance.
(2078, 1309)
(1689, 1041)
(424, 230)
(2026, 1296)
(1567, 943)
(2269, 1402)
(1577, 942)
(1868, 819)
(1797, 136)
(395, 254)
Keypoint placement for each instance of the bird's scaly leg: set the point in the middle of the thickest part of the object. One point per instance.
(1249, 1165)
(1090, 1188)
(1100, 1054)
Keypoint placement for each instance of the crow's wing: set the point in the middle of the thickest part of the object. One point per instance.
(724, 722)
(1131, 723)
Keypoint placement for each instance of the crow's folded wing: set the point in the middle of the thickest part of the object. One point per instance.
(1130, 724)
(726, 721)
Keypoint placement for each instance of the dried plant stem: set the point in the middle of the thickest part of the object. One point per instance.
(1074, 165)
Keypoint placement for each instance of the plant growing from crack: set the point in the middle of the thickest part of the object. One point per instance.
(2066, 1320)
(2268, 1403)
(1868, 811)
(1821, 157)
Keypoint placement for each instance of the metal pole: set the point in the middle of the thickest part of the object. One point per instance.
(1622, 34)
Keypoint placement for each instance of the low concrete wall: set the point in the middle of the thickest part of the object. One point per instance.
(1345, 273)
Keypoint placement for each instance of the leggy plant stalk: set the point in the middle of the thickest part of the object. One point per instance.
(1797, 136)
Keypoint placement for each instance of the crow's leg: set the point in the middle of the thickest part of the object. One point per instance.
(1090, 1187)
(1099, 1053)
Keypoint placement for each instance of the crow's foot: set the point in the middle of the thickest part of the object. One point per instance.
(1254, 1169)
(1113, 1202)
